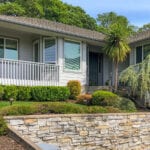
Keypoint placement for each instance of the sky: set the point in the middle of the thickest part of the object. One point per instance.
(137, 11)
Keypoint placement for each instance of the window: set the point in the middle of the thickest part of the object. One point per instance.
(146, 50)
(50, 50)
(71, 55)
(8, 48)
(142, 52)
(138, 54)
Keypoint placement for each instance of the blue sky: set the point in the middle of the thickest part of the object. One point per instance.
(137, 11)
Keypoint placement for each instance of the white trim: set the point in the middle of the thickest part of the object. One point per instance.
(81, 54)
(56, 49)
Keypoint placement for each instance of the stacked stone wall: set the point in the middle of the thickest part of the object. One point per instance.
(88, 131)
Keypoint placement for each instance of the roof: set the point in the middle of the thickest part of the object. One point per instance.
(53, 26)
(140, 36)
(66, 29)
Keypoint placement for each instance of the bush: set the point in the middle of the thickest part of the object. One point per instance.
(3, 126)
(57, 93)
(24, 93)
(105, 98)
(10, 92)
(75, 88)
(1, 92)
(84, 99)
(51, 93)
(127, 104)
(53, 107)
(39, 93)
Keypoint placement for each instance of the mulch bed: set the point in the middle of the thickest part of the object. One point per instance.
(7, 143)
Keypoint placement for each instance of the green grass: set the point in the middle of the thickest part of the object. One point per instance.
(16, 103)
(29, 108)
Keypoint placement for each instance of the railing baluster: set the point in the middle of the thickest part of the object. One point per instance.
(28, 73)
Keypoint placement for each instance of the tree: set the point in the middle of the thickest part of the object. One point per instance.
(12, 9)
(117, 30)
(144, 28)
(54, 10)
(137, 77)
(116, 47)
(105, 20)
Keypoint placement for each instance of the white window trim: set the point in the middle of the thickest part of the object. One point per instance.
(81, 54)
(5, 38)
(56, 49)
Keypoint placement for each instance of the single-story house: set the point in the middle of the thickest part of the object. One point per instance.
(41, 52)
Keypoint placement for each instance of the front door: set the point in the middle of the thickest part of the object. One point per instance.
(95, 69)
(36, 51)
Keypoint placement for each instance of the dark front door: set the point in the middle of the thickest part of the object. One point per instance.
(95, 69)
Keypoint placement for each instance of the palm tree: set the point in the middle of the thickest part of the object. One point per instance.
(117, 47)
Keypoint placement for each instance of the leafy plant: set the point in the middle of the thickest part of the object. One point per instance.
(75, 88)
(50, 93)
(24, 93)
(10, 92)
(137, 77)
(85, 99)
(105, 98)
(1, 92)
(3, 126)
(127, 104)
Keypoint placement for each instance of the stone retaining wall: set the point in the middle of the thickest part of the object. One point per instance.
(87, 132)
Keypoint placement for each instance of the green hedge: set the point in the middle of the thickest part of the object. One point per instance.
(52, 93)
(35, 93)
(24, 93)
(10, 92)
(105, 98)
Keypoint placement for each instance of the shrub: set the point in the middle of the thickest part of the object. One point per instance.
(127, 104)
(57, 93)
(3, 126)
(105, 98)
(39, 93)
(10, 92)
(1, 92)
(24, 93)
(75, 88)
(51, 93)
(85, 99)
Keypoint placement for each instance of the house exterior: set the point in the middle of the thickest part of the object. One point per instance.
(40, 52)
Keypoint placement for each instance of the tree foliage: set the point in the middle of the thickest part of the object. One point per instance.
(106, 20)
(117, 30)
(144, 28)
(11, 9)
(54, 10)
(137, 77)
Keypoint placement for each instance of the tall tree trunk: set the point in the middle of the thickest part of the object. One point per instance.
(116, 76)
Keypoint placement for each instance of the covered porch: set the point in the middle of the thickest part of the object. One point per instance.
(27, 57)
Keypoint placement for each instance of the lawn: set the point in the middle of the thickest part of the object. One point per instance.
(28, 108)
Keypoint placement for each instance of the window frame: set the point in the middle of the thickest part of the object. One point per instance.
(13, 39)
(56, 48)
(69, 70)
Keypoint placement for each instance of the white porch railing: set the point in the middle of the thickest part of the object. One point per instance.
(27, 73)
